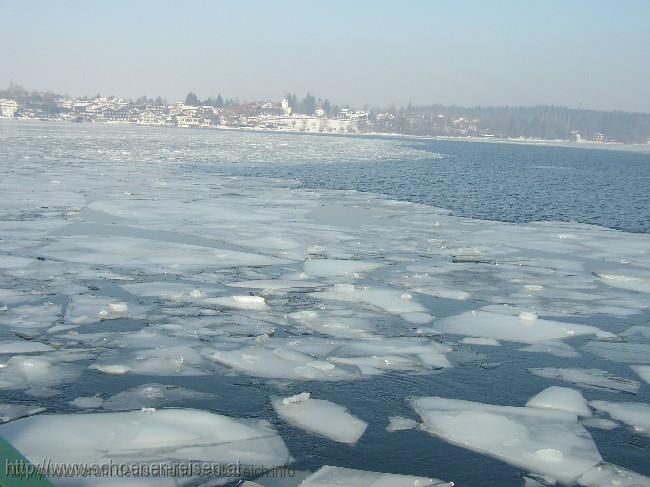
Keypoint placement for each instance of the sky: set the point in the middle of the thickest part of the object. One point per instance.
(584, 54)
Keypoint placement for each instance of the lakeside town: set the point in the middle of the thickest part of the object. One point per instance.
(311, 114)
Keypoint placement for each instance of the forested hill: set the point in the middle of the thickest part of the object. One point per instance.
(543, 122)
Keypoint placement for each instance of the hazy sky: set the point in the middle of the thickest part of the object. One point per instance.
(586, 54)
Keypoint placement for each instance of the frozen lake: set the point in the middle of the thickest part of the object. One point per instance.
(459, 312)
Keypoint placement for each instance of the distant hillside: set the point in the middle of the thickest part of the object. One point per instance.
(543, 122)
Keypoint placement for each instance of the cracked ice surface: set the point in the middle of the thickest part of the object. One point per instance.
(113, 269)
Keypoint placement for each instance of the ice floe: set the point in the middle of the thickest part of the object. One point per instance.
(590, 378)
(609, 475)
(524, 328)
(542, 441)
(162, 436)
(557, 348)
(321, 417)
(488, 342)
(634, 414)
(399, 423)
(9, 412)
(22, 346)
(346, 477)
(37, 374)
(643, 371)
(629, 353)
(153, 395)
(338, 268)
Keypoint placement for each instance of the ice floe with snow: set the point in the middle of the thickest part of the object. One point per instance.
(321, 417)
(542, 441)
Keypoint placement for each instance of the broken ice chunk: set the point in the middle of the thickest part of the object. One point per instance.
(562, 399)
(23, 347)
(591, 378)
(111, 369)
(329, 476)
(525, 328)
(32, 316)
(390, 300)
(541, 441)
(634, 283)
(321, 417)
(167, 360)
(643, 371)
(36, 374)
(152, 396)
(338, 268)
(399, 423)
(238, 302)
(273, 364)
(633, 414)
(87, 402)
(557, 348)
(489, 342)
(600, 423)
(84, 309)
(609, 475)
(629, 353)
(302, 397)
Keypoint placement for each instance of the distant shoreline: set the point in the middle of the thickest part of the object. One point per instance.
(616, 146)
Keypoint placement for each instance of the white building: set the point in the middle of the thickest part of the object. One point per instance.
(285, 107)
(8, 108)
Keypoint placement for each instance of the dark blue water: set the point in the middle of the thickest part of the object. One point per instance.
(505, 182)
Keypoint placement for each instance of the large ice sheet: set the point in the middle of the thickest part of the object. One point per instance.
(319, 416)
(163, 436)
(541, 441)
(524, 328)
(150, 254)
